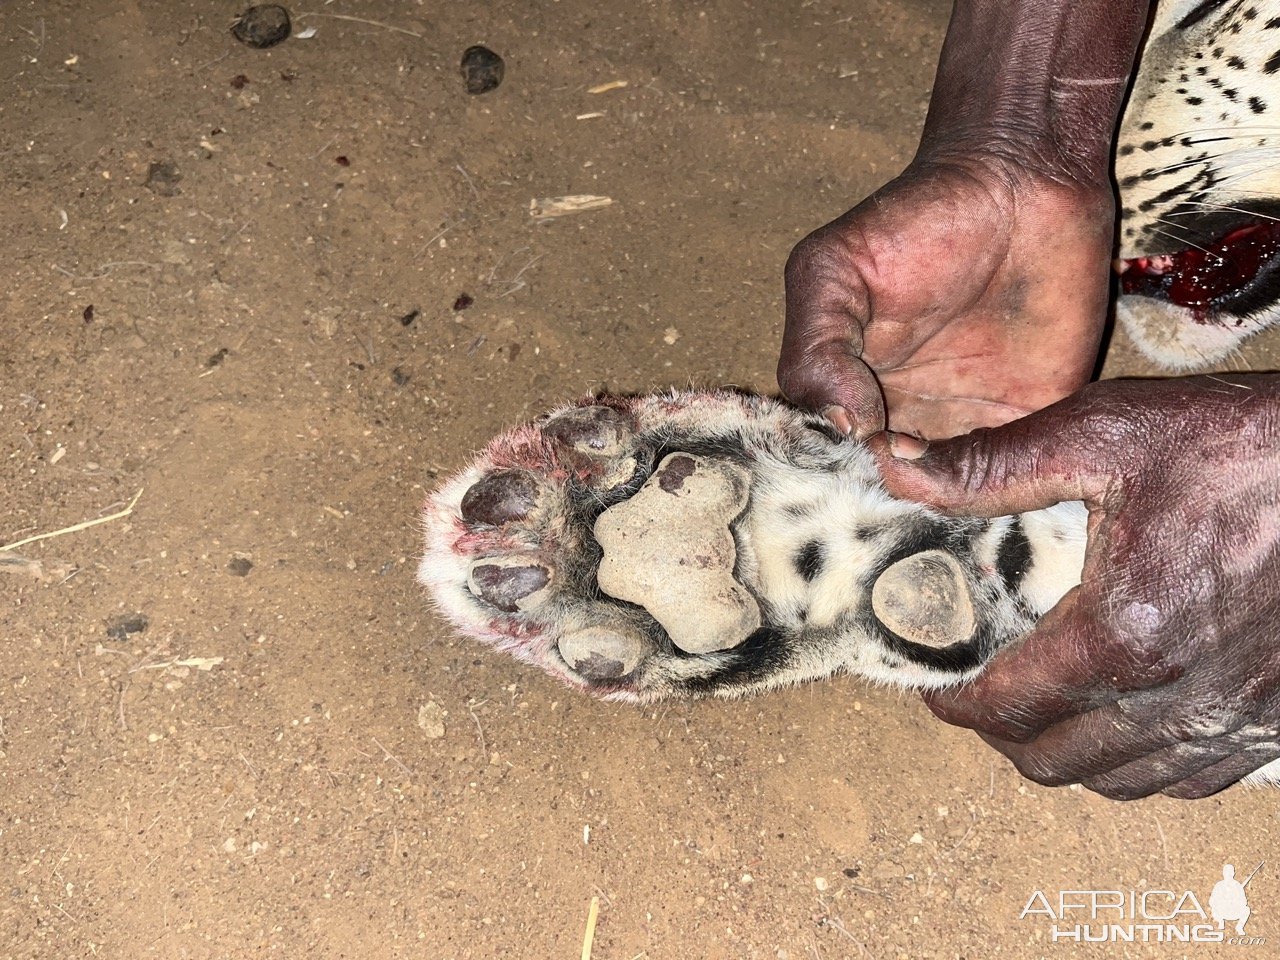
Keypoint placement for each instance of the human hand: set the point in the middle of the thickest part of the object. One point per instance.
(1161, 671)
(971, 291)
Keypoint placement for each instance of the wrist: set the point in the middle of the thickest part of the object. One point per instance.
(1038, 83)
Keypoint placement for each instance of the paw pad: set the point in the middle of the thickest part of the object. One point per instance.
(509, 583)
(501, 497)
(595, 431)
(669, 549)
(604, 653)
(925, 599)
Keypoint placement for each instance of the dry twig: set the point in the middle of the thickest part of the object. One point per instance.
(589, 936)
(370, 23)
(83, 525)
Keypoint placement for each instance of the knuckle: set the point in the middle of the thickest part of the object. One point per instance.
(979, 463)
(1139, 645)
(807, 258)
(987, 460)
(1203, 719)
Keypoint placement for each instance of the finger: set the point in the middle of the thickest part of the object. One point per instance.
(1096, 743)
(830, 377)
(1060, 453)
(1221, 775)
(1069, 665)
(827, 307)
(1201, 765)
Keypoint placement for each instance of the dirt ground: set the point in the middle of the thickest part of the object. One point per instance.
(237, 730)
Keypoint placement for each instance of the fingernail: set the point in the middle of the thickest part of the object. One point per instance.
(906, 447)
(840, 418)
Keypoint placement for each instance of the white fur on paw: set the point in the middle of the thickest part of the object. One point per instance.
(925, 598)
(669, 549)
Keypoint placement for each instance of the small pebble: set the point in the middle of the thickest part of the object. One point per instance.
(431, 720)
(482, 69)
(126, 623)
(463, 301)
(262, 26)
(240, 566)
(163, 178)
(820, 883)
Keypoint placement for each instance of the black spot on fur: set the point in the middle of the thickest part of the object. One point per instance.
(957, 658)
(1014, 559)
(1199, 13)
(727, 446)
(809, 560)
(1273, 63)
(1172, 193)
(799, 511)
(823, 426)
(1231, 94)
(1272, 23)
(1235, 63)
(1194, 101)
(1257, 105)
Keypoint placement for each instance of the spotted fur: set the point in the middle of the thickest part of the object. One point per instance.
(817, 531)
(1198, 170)
(815, 534)
(516, 564)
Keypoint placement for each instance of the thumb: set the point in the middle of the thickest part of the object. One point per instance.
(1057, 454)
(821, 366)
(830, 378)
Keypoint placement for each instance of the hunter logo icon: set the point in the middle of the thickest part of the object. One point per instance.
(1228, 900)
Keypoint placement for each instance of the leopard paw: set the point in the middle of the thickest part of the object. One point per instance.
(714, 543)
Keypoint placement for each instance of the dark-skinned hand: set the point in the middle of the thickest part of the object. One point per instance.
(1161, 671)
(966, 293)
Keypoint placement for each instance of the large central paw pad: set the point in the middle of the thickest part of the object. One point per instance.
(670, 550)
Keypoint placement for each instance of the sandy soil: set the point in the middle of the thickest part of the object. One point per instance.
(268, 348)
